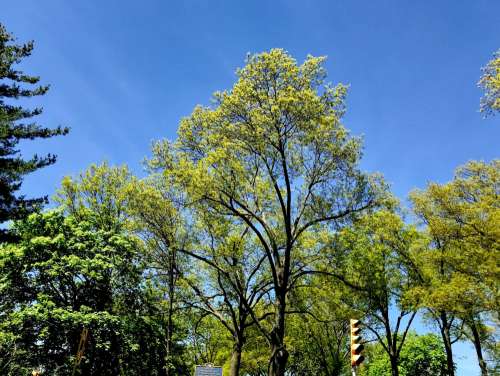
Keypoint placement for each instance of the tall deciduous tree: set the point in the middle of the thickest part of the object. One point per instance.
(462, 266)
(205, 253)
(272, 154)
(158, 221)
(435, 287)
(16, 124)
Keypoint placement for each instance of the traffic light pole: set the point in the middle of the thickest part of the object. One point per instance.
(356, 345)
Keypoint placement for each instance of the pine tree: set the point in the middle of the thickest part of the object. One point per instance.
(16, 124)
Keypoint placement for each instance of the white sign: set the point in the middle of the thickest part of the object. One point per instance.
(208, 370)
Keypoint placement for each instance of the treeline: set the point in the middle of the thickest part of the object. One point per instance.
(252, 241)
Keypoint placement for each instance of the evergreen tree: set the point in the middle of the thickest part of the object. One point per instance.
(15, 125)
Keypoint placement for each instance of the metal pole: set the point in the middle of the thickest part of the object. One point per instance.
(353, 371)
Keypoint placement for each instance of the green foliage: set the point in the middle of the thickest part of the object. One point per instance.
(460, 265)
(490, 83)
(271, 154)
(13, 128)
(120, 202)
(372, 256)
(462, 218)
(66, 274)
(154, 214)
(100, 191)
(372, 253)
(210, 341)
(318, 333)
(420, 356)
(255, 234)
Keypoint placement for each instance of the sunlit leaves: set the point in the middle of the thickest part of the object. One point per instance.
(490, 83)
(462, 218)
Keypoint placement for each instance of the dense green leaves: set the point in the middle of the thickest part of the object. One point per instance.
(251, 242)
(421, 356)
(318, 329)
(463, 222)
(66, 274)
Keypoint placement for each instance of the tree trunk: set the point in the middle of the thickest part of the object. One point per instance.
(478, 347)
(392, 345)
(394, 365)
(170, 329)
(279, 354)
(235, 360)
(278, 360)
(445, 334)
(170, 313)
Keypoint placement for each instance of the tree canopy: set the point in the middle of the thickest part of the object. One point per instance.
(250, 242)
(271, 154)
(64, 275)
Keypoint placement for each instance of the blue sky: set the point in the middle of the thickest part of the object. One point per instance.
(123, 73)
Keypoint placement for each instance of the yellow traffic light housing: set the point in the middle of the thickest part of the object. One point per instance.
(356, 345)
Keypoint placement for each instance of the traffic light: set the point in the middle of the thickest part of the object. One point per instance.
(356, 346)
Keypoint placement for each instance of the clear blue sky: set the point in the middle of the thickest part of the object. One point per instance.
(124, 72)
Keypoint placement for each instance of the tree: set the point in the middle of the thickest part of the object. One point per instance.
(157, 220)
(209, 342)
(228, 279)
(435, 288)
(373, 255)
(16, 125)
(66, 274)
(318, 329)
(272, 155)
(101, 191)
(255, 357)
(490, 83)
(422, 355)
(462, 270)
(218, 262)
(121, 202)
